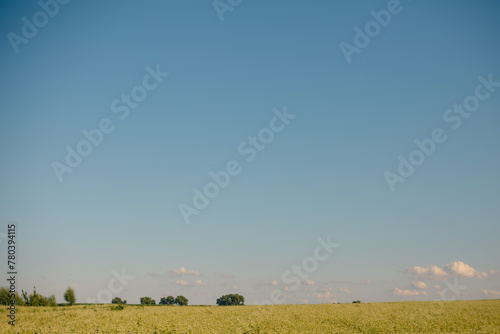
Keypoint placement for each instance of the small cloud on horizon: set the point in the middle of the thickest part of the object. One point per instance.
(456, 268)
(323, 295)
(184, 271)
(199, 282)
(407, 292)
(182, 282)
(491, 293)
(345, 290)
(420, 285)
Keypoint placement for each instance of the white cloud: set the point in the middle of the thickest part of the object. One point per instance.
(432, 272)
(234, 287)
(199, 283)
(184, 271)
(458, 268)
(420, 285)
(323, 295)
(492, 293)
(406, 292)
(308, 282)
(454, 269)
(345, 290)
(181, 283)
(274, 283)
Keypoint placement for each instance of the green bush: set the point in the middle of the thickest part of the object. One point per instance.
(5, 298)
(36, 299)
(147, 301)
(118, 300)
(118, 307)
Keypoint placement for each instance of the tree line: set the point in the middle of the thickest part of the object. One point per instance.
(36, 299)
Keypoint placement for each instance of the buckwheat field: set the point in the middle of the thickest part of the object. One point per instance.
(401, 317)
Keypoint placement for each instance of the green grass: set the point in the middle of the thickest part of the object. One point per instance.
(401, 317)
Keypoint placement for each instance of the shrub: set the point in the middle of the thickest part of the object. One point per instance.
(36, 299)
(118, 300)
(147, 301)
(118, 307)
(5, 298)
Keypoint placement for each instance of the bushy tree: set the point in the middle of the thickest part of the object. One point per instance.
(231, 299)
(181, 301)
(356, 302)
(36, 299)
(69, 295)
(5, 298)
(167, 301)
(147, 301)
(118, 300)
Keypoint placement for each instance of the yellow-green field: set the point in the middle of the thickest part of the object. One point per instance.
(402, 317)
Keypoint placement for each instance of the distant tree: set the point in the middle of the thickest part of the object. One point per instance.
(50, 301)
(147, 301)
(181, 301)
(231, 299)
(356, 302)
(5, 297)
(118, 300)
(167, 301)
(69, 295)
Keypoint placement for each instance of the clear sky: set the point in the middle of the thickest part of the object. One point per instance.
(308, 108)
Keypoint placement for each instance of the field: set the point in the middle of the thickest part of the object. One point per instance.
(402, 317)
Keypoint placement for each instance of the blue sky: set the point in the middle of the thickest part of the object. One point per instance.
(323, 174)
